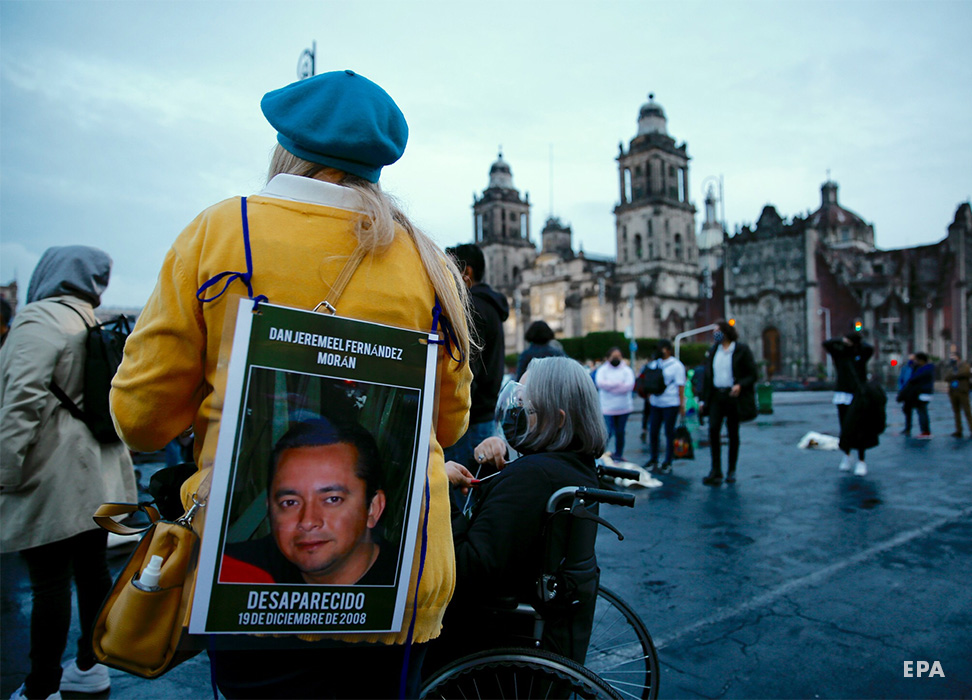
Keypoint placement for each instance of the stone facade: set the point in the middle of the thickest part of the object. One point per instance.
(786, 280)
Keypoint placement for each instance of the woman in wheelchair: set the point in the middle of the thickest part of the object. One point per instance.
(508, 541)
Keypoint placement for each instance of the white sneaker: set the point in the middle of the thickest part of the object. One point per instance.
(859, 470)
(845, 464)
(94, 680)
(19, 694)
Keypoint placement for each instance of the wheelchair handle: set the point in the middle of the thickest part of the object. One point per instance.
(605, 496)
(570, 494)
(620, 473)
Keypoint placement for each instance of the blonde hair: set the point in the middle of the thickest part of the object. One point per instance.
(376, 230)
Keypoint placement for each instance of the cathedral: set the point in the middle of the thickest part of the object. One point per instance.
(650, 290)
(788, 283)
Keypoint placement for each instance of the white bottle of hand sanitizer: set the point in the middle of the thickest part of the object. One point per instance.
(148, 580)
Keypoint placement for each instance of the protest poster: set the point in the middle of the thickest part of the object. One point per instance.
(319, 474)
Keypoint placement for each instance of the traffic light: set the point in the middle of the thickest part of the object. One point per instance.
(858, 326)
(732, 322)
(894, 362)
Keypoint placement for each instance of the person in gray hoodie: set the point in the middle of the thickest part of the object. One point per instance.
(490, 310)
(53, 472)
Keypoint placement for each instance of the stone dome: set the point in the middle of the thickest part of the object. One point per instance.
(651, 118)
(500, 174)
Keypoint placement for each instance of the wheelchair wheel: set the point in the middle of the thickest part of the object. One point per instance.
(621, 651)
(515, 673)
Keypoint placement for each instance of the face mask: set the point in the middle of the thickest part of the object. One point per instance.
(719, 336)
(512, 413)
(615, 362)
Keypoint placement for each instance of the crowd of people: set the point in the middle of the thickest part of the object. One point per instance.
(321, 207)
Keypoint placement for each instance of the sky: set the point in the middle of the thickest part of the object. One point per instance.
(121, 121)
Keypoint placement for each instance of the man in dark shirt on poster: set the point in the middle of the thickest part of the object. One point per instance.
(324, 500)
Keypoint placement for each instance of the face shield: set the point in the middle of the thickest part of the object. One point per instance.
(513, 411)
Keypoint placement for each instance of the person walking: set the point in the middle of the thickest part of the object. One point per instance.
(666, 407)
(907, 407)
(958, 390)
(615, 382)
(850, 355)
(918, 392)
(54, 474)
(728, 394)
(322, 202)
(541, 344)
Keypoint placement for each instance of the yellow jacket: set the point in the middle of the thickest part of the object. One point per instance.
(301, 235)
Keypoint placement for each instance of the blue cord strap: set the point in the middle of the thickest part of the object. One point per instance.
(411, 625)
(244, 277)
(449, 339)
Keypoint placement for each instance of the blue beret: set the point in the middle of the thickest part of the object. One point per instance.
(341, 120)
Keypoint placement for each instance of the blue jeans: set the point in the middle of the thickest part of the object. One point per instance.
(615, 426)
(667, 415)
(922, 408)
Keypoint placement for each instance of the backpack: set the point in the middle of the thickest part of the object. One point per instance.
(104, 346)
(650, 381)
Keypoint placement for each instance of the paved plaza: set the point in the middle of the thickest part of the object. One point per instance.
(798, 581)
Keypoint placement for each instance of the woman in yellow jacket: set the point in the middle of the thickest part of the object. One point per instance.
(335, 133)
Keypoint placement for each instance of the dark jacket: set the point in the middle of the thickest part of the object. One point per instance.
(490, 309)
(850, 363)
(958, 378)
(922, 381)
(499, 550)
(536, 350)
(865, 419)
(744, 374)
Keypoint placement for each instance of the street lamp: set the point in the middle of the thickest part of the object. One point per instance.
(830, 360)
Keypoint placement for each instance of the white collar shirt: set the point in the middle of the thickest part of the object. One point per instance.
(722, 366)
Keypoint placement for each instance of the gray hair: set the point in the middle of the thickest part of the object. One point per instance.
(555, 384)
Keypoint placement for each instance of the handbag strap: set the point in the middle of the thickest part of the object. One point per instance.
(106, 513)
(337, 289)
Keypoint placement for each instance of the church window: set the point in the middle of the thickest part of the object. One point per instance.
(681, 184)
(678, 246)
(512, 216)
(627, 184)
(666, 226)
(649, 228)
(637, 243)
(844, 233)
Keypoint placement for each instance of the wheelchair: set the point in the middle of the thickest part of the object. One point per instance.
(531, 657)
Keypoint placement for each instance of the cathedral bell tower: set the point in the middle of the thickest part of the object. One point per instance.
(501, 227)
(654, 220)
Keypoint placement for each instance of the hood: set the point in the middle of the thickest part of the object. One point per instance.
(76, 270)
(484, 291)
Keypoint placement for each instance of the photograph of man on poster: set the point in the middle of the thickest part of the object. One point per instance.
(325, 501)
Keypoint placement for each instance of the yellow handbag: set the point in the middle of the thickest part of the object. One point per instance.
(143, 631)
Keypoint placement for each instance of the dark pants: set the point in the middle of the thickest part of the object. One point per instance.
(668, 416)
(960, 405)
(51, 567)
(723, 407)
(842, 409)
(615, 426)
(289, 668)
(907, 407)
